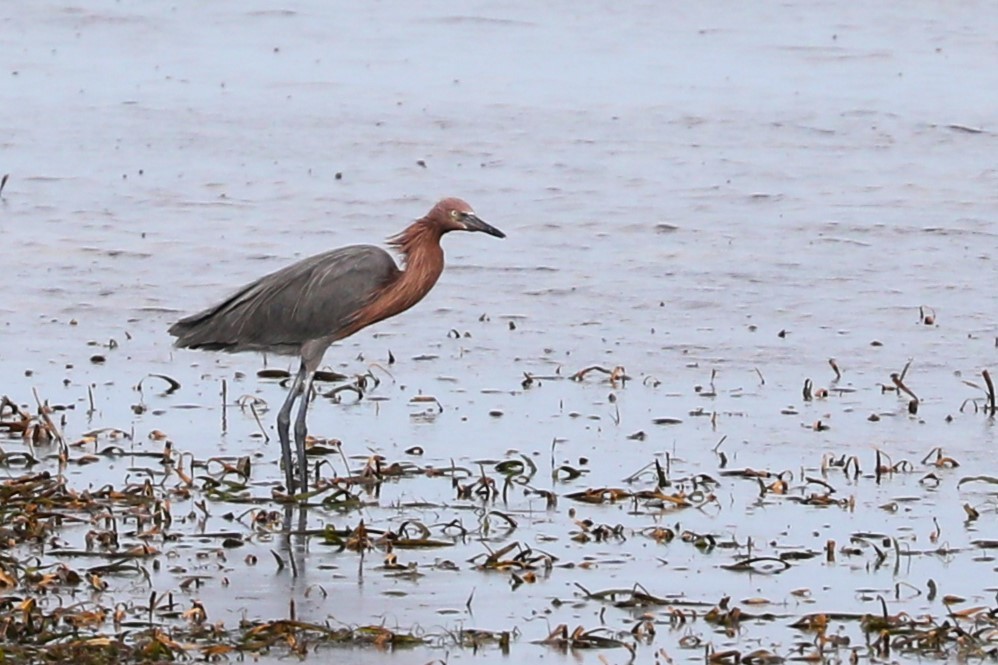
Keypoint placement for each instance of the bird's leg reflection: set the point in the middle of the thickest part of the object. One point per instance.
(301, 430)
(296, 553)
(283, 423)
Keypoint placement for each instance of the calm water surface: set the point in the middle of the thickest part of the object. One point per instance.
(712, 194)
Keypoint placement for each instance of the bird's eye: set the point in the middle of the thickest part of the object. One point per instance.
(455, 215)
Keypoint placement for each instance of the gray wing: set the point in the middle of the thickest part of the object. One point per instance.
(309, 300)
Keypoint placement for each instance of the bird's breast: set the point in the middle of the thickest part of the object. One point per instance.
(407, 288)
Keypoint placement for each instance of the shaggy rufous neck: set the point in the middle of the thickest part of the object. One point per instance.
(422, 263)
(422, 258)
(414, 241)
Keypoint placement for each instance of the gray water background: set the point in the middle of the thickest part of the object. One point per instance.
(679, 184)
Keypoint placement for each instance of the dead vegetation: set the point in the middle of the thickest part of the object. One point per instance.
(82, 567)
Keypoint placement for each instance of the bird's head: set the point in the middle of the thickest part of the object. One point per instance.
(452, 214)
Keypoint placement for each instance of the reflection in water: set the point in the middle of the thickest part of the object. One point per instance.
(719, 230)
(294, 542)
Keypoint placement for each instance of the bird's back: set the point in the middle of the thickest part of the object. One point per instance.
(313, 300)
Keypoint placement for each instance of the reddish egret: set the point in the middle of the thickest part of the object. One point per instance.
(302, 309)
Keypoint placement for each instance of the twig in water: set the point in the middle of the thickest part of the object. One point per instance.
(256, 416)
(991, 392)
(172, 384)
(346, 464)
(897, 379)
(905, 370)
(63, 448)
(835, 368)
(225, 413)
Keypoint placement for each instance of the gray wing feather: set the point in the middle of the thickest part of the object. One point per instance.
(313, 299)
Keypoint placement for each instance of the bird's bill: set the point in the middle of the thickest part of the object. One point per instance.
(473, 222)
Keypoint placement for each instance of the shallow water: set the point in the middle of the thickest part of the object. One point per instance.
(678, 186)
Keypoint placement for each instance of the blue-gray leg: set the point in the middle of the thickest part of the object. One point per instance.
(283, 424)
(301, 430)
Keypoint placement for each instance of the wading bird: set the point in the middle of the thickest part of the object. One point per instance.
(303, 308)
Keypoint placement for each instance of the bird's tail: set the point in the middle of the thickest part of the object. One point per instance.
(193, 333)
